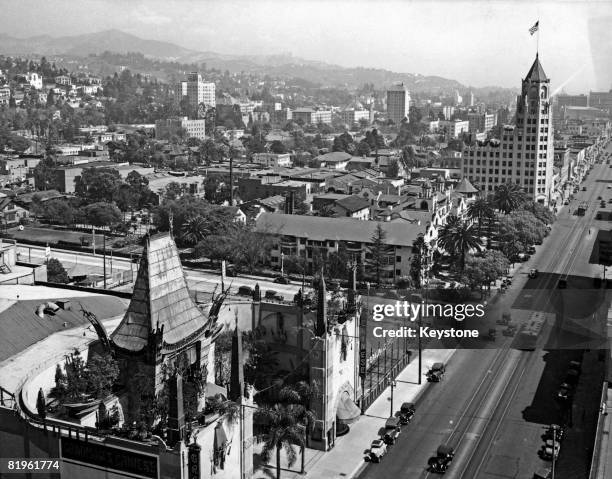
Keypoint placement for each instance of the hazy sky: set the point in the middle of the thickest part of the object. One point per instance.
(479, 43)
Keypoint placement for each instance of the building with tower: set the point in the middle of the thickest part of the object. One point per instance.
(161, 328)
(524, 154)
(398, 103)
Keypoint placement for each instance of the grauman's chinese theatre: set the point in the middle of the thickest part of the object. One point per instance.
(162, 326)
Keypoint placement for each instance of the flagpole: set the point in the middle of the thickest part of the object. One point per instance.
(538, 39)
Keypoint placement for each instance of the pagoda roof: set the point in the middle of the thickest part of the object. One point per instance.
(160, 302)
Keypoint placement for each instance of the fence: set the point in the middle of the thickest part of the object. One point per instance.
(598, 443)
(374, 387)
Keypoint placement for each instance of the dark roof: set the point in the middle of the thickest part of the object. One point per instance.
(20, 327)
(353, 203)
(536, 72)
(334, 157)
(160, 301)
(319, 228)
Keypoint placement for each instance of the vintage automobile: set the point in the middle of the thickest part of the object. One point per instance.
(441, 461)
(436, 373)
(505, 319)
(533, 273)
(407, 411)
(509, 331)
(549, 450)
(392, 430)
(378, 449)
(554, 430)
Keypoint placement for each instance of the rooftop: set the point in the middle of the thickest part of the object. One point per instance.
(318, 228)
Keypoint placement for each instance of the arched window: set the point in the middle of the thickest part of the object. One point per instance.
(544, 92)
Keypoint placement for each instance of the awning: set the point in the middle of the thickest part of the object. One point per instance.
(347, 412)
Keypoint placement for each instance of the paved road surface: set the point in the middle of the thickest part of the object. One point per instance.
(493, 403)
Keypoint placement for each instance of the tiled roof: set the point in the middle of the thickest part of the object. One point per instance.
(318, 228)
(21, 327)
(353, 203)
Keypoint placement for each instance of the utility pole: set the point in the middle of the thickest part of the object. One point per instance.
(393, 384)
(104, 258)
(553, 452)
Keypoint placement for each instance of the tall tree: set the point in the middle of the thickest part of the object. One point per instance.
(378, 251)
(509, 197)
(480, 210)
(458, 239)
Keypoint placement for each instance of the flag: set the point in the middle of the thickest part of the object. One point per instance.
(535, 27)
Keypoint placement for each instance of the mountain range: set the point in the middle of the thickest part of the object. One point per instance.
(283, 65)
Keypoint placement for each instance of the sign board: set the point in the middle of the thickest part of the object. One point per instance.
(48, 252)
(363, 331)
(193, 461)
(111, 458)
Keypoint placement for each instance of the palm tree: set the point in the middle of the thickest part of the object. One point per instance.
(479, 210)
(458, 239)
(194, 230)
(286, 429)
(508, 197)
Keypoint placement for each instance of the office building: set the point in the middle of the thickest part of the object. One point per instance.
(524, 153)
(398, 103)
(481, 123)
(165, 129)
(197, 91)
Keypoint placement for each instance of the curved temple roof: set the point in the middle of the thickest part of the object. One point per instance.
(160, 301)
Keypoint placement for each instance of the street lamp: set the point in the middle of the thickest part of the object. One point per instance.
(393, 386)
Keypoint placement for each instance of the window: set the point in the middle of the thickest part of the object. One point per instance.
(398, 259)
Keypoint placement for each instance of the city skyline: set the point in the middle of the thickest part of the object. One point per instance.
(434, 38)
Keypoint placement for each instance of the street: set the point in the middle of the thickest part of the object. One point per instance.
(493, 404)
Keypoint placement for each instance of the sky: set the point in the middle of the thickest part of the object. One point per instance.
(478, 42)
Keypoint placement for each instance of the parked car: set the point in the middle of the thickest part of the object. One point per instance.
(524, 257)
(533, 273)
(281, 280)
(378, 449)
(245, 291)
(392, 430)
(407, 411)
(271, 294)
(562, 284)
(436, 372)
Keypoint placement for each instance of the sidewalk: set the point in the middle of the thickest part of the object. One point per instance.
(604, 467)
(345, 460)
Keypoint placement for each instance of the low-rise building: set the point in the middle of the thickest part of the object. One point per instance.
(168, 128)
(315, 236)
(272, 159)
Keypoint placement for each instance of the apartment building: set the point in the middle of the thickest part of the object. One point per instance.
(524, 155)
(453, 128)
(315, 236)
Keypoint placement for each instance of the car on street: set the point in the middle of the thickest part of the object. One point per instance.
(533, 273)
(441, 461)
(436, 373)
(562, 284)
(546, 452)
(554, 430)
(378, 449)
(271, 294)
(407, 411)
(524, 257)
(245, 291)
(564, 393)
(281, 280)
(531, 250)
